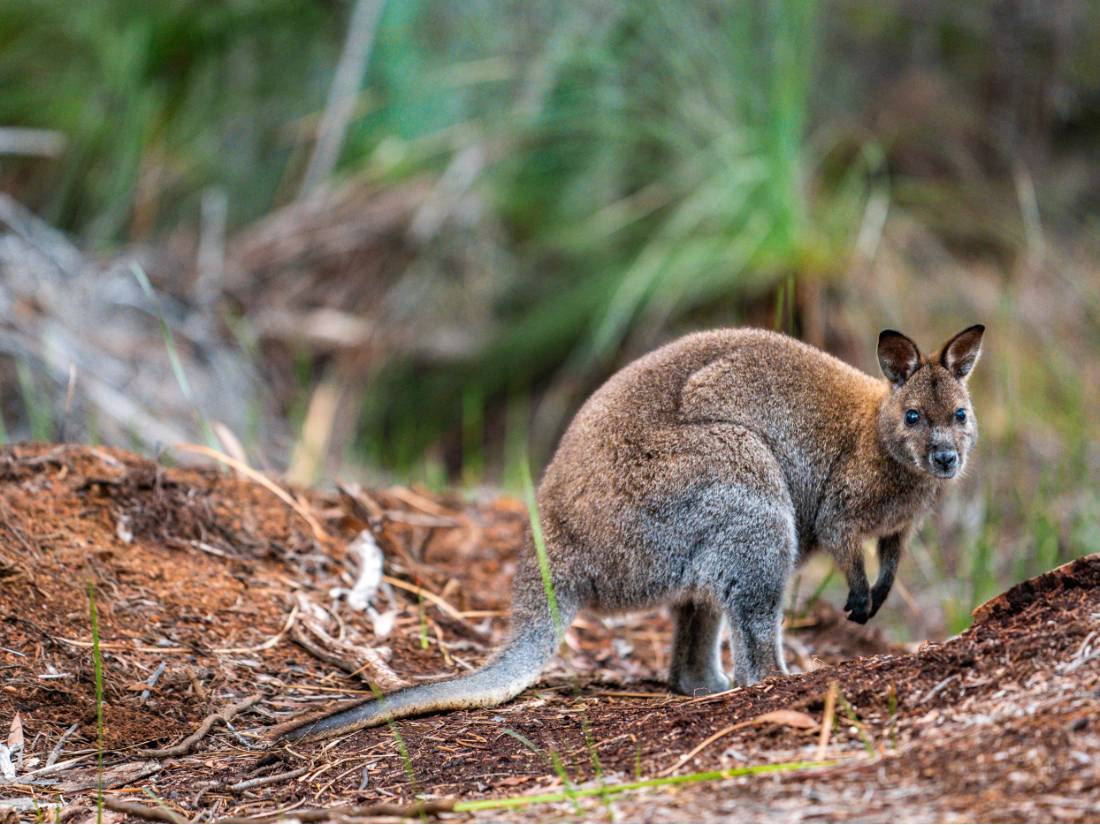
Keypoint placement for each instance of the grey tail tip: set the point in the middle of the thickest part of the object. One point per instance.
(299, 733)
(339, 722)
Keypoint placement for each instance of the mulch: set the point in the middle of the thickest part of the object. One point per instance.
(210, 575)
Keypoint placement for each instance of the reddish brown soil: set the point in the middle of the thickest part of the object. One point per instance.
(1000, 723)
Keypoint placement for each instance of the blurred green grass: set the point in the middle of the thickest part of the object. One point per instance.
(827, 169)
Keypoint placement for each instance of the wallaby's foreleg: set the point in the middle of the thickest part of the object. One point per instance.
(850, 561)
(697, 650)
(889, 553)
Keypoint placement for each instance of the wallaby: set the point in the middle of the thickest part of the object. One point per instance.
(699, 476)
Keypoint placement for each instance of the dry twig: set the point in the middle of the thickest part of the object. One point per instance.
(56, 752)
(827, 720)
(151, 682)
(439, 602)
(143, 813)
(198, 449)
(362, 812)
(187, 744)
(285, 776)
(266, 645)
(791, 718)
(361, 661)
(340, 106)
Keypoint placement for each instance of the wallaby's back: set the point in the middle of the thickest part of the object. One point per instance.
(805, 404)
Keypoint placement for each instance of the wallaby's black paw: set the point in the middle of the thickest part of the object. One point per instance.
(878, 597)
(858, 607)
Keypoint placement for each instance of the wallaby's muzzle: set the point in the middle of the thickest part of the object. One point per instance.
(944, 462)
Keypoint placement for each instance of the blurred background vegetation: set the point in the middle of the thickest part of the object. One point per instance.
(426, 271)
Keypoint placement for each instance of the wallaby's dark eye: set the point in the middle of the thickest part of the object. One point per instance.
(960, 415)
(912, 417)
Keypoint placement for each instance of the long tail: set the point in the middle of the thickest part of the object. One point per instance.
(533, 642)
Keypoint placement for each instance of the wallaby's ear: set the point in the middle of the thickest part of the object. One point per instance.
(960, 354)
(898, 356)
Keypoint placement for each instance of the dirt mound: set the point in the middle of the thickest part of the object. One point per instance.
(212, 591)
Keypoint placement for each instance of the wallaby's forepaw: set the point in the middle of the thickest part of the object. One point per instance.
(878, 597)
(859, 607)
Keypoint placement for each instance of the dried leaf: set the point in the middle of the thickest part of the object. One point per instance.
(15, 734)
(789, 718)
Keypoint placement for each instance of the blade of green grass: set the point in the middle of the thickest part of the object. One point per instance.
(850, 713)
(540, 549)
(97, 659)
(174, 358)
(666, 781)
(553, 760)
(39, 417)
(399, 740)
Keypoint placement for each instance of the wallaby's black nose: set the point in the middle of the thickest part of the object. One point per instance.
(945, 460)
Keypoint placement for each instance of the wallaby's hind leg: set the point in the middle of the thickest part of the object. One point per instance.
(760, 648)
(697, 650)
(754, 600)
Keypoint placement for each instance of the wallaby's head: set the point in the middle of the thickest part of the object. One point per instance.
(926, 421)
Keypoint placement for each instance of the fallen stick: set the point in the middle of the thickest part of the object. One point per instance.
(827, 720)
(367, 664)
(143, 813)
(56, 752)
(790, 718)
(319, 532)
(439, 602)
(185, 746)
(267, 645)
(151, 682)
(129, 648)
(362, 812)
(268, 780)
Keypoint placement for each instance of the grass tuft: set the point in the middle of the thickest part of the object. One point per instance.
(97, 660)
(174, 358)
(37, 408)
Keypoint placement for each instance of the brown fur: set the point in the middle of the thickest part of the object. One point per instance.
(700, 475)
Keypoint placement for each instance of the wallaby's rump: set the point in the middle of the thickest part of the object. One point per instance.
(699, 476)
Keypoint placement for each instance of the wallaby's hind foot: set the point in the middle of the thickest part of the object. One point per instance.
(696, 668)
(759, 652)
